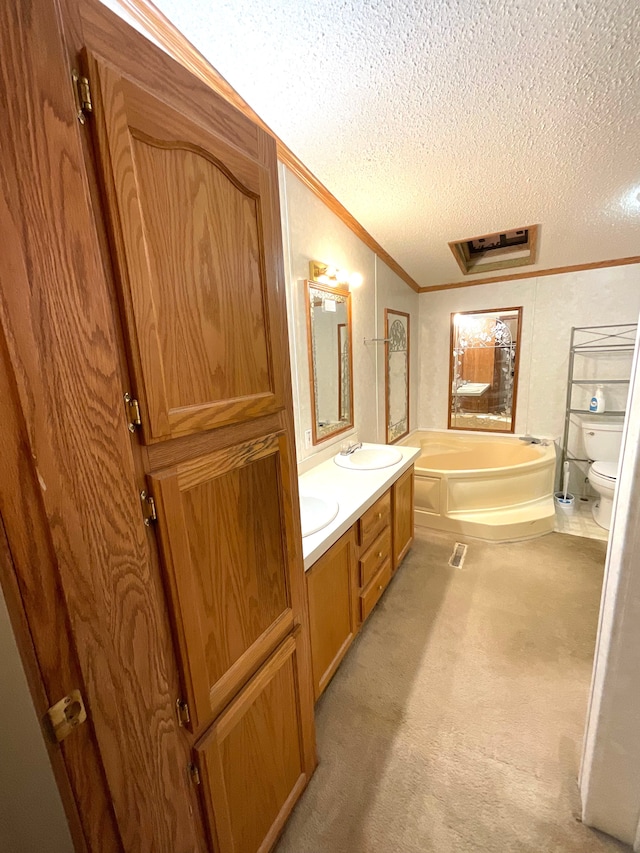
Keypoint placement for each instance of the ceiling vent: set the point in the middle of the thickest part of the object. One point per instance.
(499, 251)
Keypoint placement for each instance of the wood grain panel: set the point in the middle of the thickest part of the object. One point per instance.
(168, 453)
(191, 232)
(29, 579)
(253, 755)
(332, 592)
(402, 510)
(56, 317)
(211, 273)
(370, 596)
(225, 540)
(373, 520)
(374, 556)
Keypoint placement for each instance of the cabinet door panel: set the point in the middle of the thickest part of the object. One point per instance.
(332, 591)
(251, 760)
(403, 516)
(195, 240)
(226, 544)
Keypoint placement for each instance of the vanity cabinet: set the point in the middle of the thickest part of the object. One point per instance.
(332, 588)
(402, 501)
(348, 580)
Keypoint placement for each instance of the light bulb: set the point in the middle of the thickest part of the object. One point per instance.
(355, 279)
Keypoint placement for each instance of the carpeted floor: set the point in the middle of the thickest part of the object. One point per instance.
(455, 722)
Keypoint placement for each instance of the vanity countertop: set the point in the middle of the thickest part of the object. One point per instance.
(355, 492)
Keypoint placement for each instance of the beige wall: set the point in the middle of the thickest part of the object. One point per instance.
(551, 306)
(312, 232)
(31, 815)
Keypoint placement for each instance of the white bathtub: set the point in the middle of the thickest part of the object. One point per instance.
(490, 486)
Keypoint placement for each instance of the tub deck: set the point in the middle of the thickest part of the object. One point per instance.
(491, 487)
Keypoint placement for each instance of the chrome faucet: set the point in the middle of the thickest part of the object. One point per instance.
(352, 447)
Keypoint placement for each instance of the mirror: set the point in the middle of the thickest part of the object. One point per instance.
(484, 369)
(396, 334)
(331, 375)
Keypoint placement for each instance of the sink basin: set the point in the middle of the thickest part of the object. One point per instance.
(316, 513)
(472, 389)
(368, 459)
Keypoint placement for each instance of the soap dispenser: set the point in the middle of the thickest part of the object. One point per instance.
(597, 401)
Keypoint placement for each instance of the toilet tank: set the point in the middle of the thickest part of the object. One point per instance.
(602, 439)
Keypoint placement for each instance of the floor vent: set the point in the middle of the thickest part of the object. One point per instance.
(456, 560)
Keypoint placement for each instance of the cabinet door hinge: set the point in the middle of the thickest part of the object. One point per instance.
(82, 92)
(63, 717)
(148, 508)
(133, 411)
(194, 773)
(184, 717)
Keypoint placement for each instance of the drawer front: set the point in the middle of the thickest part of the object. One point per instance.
(375, 556)
(371, 595)
(373, 520)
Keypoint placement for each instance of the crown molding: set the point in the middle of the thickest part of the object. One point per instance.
(595, 265)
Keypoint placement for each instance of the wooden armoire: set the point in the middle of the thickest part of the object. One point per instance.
(150, 542)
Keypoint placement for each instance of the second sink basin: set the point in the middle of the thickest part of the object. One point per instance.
(316, 513)
(369, 458)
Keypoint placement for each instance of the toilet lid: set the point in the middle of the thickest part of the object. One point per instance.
(606, 469)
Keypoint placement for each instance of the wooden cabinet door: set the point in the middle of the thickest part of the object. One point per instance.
(403, 516)
(226, 537)
(195, 234)
(251, 761)
(333, 618)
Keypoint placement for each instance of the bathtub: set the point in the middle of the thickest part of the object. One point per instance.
(490, 486)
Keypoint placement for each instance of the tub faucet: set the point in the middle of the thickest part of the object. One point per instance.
(530, 439)
(349, 450)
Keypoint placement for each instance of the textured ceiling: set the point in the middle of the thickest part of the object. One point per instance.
(435, 120)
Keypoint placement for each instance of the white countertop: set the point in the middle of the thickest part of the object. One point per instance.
(355, 492)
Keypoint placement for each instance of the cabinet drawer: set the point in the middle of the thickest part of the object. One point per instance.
(371, 595)
(375, 556)
(373, 520)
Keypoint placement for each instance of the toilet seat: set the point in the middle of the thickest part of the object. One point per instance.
(606, 470)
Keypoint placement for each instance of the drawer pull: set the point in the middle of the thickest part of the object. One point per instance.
(379, 515)
(379, 553)
(380, 588)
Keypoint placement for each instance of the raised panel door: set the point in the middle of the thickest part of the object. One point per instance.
(195, 241)
(403, 516)
(227, 549)
(251, 760)
(333, 621)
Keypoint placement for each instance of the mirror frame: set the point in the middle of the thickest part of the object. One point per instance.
(389, 313)
(516, 369)
(308, 285)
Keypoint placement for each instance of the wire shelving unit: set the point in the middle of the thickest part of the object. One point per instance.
(593, 342)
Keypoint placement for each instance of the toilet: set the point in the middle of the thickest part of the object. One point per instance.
(602, 440)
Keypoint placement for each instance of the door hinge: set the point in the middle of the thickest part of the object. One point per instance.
(133, 411)
(148, 508)
(82, 91)
(194, 773)
(63, 717)
(184, 717)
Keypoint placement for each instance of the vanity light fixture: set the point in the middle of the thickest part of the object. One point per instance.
(334, 277)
